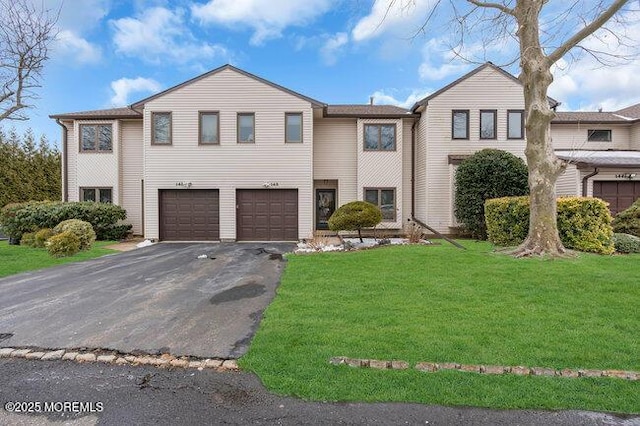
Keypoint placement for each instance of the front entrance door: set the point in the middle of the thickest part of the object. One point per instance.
(325, 206)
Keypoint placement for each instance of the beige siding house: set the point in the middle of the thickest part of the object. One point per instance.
(229, 156)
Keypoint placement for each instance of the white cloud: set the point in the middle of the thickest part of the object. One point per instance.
(70, 45)
(124, 87)
(332, 48)
(400, 17)
(267, 18)
(380, 97)
(159, 35)
(77, 16)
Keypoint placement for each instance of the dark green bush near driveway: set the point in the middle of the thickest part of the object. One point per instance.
(584, 223)
(19, 218)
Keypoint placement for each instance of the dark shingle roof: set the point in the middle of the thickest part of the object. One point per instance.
(113, 113)
(377, 111)
(632, 111)
(592, 117)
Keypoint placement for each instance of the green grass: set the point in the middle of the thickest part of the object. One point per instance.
(441, 304)
(16, 259)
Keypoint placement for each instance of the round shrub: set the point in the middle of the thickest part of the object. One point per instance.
(28, 239)
(63, 244)
(42, 236)
(354, 216)
(628, 221)
(626, 243)
(489, 173)
(83, 230)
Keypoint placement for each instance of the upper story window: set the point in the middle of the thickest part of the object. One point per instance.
(96, 138)
(379, 137)
(460, 124)
(246, 127)
(293, 127)
(101, 195)
(515, 124)
(161, 128)
(599, 135)
(209, 124)
(488, 123)
(385, 199)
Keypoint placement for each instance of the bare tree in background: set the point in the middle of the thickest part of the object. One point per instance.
(26, 31)
(521, 19)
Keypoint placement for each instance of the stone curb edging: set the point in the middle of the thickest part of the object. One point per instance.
(431, 367)
(113, 357)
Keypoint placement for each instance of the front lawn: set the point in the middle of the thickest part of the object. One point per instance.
(16, 259)
(441, 304)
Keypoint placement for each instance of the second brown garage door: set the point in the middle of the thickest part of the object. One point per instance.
(189, 215)
(267, 214)
(619, 195)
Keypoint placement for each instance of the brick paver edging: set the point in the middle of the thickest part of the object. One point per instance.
(112, 357)
(431, 367)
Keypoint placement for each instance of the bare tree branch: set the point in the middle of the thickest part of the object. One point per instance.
(25, 35)
(586, 31)
(502, 8)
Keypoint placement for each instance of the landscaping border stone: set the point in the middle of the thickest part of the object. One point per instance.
(432, 367)
(117, 358)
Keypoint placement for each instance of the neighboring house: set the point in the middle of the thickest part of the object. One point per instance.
(231, 156)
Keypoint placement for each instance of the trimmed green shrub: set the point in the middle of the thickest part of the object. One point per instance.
(628, 221)
(81, 229)
(584, 223)
(12, 222)
(19, 218)
(42, 236)
(489, 173)
(28, 239)
(354, 216)
(626, 243)
(63, 244)
(507, 220)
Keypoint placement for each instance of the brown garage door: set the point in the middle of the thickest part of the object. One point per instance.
(189, 215)
(267, 214)
(619, 195)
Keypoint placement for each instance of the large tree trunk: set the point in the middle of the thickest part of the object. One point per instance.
(544, 166)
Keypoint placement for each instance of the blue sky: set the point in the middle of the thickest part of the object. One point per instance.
(114, 52)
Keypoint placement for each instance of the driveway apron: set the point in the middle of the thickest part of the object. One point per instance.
(157, 299)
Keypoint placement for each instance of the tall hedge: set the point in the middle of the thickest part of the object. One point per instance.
(29, 170)
(19, 218)
(584, 223)
(489, 173)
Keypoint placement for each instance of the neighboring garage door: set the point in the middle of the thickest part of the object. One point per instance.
(267, 214)
(189, 215)
(619, 195)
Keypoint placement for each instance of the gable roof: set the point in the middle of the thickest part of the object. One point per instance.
(314, 102)
(366, 111)
(105, 114)
(590, 117)
(470, 74)
(632, 111)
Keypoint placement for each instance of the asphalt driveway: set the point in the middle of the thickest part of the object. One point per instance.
(158, 299)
